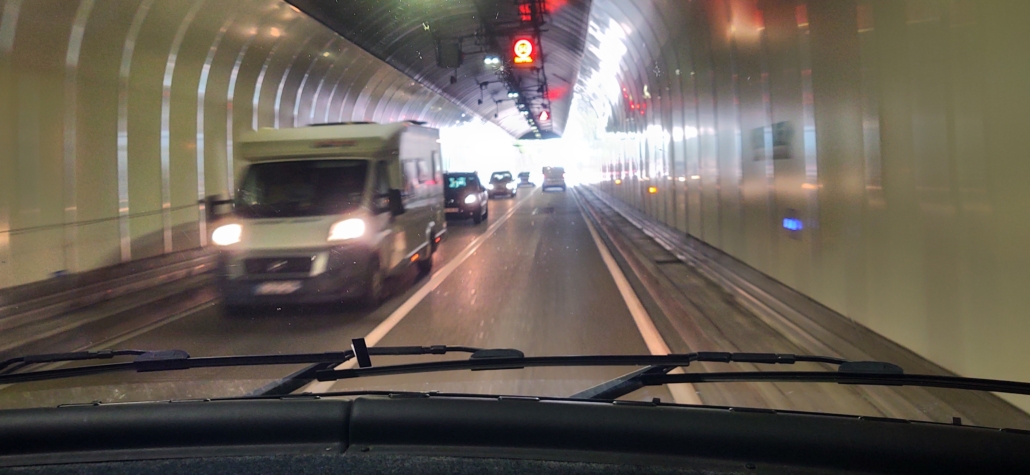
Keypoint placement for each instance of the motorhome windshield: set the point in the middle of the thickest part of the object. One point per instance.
(301, 188)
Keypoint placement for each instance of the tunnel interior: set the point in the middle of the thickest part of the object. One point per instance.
(869, 154)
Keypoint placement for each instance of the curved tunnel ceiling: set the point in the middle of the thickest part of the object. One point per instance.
(404, 33)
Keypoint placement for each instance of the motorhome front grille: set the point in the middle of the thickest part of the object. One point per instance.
(278, 265)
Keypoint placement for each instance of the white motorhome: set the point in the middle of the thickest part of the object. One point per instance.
(326, 213)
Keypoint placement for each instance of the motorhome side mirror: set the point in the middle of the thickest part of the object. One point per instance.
(395, 203)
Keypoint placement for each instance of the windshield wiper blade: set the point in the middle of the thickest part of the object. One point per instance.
(63, 357)
(627, 383)
(172, 360)
(843, 377)
(504, 361)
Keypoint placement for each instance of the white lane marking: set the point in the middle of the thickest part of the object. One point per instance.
(385, 326)
(681, 393)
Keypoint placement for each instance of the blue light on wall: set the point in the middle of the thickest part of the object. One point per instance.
(793, 224)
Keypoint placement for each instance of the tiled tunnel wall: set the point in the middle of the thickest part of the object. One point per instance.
(116, 117)
(871, 154)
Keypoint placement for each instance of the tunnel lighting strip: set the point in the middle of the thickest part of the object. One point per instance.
(9, 25)
(336, 86)
(166, 112)
(304, 81)
(285, 77)
(321, 85)
(71, 67)
(230, 169)
(260, 82)
(124, 70)
(205, 73)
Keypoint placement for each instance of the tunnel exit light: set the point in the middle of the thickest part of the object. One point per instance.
(793, 224)
(524, 51)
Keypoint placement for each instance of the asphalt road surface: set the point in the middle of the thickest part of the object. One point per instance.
(530, 278)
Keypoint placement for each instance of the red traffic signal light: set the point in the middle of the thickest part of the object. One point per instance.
(525, 52)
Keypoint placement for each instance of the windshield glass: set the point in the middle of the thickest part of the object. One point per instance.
(301, 188)
(846, 179)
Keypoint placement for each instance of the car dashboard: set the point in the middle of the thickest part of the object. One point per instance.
(428, 433)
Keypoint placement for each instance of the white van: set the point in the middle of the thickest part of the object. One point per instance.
(326, 213)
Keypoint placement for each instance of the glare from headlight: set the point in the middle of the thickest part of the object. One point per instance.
(511, 185)
(471, 199)
(226, 235)
(347, 229)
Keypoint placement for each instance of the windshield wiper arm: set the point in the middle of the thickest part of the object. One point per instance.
(622, 385)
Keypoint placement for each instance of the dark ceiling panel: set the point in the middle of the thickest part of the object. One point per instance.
(404, 33)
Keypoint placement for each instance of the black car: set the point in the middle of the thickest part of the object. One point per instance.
(502, 184)
(465, 197)
(524, 179)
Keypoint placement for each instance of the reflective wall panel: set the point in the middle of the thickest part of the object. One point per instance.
(869, 153)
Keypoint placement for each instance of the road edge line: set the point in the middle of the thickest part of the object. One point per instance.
(681, 393)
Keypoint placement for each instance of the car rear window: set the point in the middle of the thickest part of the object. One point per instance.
(459, 182)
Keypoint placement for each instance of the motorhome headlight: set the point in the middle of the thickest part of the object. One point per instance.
(471, 199)
(347, 229)
(227, 234)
